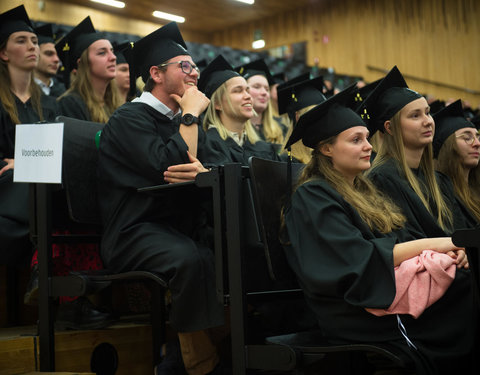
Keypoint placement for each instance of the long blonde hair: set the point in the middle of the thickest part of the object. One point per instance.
(81, 83)
(392, 147)
(212, 116)
(271, 129)
(7, 98)
(449, 162)
(373, 207)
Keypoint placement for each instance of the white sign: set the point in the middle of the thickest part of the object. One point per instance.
(38, 153)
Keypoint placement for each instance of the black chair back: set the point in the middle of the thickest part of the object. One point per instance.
(80, 173)
(270, 190)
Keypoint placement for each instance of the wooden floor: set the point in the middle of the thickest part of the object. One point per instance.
(19, 345)
(19, 352)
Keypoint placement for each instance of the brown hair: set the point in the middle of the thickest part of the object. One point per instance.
(449, 162)
(392, 147)
(7, 98)
(373, 207)
(81, 84)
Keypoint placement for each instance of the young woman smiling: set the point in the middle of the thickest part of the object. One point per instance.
(230, 136)
(259, 80)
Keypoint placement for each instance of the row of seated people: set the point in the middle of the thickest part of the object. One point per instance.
(344, 238)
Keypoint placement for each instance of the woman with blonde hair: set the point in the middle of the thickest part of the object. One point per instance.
(92, 95)
(259, 80)
(403, 168)
(456, 148)
(21, 102)
(344, 240)
(230, 136)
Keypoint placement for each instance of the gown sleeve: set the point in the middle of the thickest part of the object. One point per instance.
(333, 252)
(136, 147)
(218, 151)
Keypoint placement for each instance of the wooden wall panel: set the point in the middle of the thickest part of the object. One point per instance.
(436, 40)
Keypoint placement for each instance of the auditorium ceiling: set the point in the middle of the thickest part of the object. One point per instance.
(201, 15)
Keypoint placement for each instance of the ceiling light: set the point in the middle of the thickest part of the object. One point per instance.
(112, 3)
(246, 1)
(256, 44)
(168, 16)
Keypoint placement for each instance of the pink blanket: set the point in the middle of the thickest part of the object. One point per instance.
(420, 281)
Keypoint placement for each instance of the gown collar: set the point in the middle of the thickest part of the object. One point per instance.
(152, 101)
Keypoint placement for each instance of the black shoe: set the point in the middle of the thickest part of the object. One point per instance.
(81, 314)
(31, 295)
(172, 361)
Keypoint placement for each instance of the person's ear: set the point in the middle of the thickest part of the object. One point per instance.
(388, 127)
(326, 149)
(156, 74)
(4, 55)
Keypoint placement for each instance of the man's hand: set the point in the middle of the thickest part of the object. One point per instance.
(193, 101)
(184, 172)
(10, 164)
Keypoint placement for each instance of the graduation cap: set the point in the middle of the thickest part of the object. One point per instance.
(301, 78)
(386, 99)
(476, 121)
(45, 34)
(121, 49)
(327, 119)
(13, 20)
(215, 74)
(61, 32)
(448, 121)
(201, 64)
(155, 49)
(255, 68)
(298, 93)
(364, 92)
(436, 106)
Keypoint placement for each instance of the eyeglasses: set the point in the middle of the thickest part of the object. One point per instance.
(187, 66)
(469, 138)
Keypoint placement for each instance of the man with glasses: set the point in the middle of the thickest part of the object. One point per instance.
(154, 140)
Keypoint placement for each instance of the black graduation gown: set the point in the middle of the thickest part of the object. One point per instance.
(73, 105)
(219, 152)
(344, 267)
(261, 134)
(389, 179)
(14, 227)
(143, 232)
(57, 89)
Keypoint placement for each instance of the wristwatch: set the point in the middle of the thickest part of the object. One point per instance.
(189, 119)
